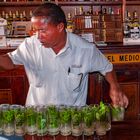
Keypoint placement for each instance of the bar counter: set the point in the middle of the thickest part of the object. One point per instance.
(126, 130)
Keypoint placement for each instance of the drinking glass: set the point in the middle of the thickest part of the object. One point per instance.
(103, 119)
(53, 120)
(8, 120)
(19, 114)
(117, 113)
(76, 121)
(30, 113)
(88, 121)
(65, 120)
(1, 120)
(41, 121)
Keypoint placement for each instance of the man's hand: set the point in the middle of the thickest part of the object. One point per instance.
(118, 97)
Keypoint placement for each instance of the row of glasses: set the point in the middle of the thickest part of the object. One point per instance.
(51, 119)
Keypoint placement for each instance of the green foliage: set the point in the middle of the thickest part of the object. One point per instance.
(65, 115)
(30, 116)
(87, 116)
(8, 116)
(53, 116)
(117, 113)
(19, 117)
(41, 120)
(76, 116)
(102, 112)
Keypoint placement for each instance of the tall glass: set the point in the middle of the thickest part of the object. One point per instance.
(103, 119)
(88, 121)
(1, 120)
(76, 121)
(65, 120)
(53, 120)
(41, 121)
(8, 120)
(30, 112)
(20, 121)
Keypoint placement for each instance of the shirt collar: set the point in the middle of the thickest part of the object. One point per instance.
(67, 45)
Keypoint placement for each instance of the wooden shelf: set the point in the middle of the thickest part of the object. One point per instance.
(62, 3)
(132, 2)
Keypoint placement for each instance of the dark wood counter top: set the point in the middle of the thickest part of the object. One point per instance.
(126, 130)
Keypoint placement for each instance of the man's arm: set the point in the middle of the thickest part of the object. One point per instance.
(117, 96)
(6, 62)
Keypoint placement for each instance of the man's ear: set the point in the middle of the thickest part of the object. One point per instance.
(60, 27)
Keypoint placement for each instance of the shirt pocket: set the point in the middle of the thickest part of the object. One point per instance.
(74, 82)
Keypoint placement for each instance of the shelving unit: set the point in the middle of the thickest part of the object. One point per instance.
(70, 6)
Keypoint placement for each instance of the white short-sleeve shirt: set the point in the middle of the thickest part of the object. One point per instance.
(59, 78)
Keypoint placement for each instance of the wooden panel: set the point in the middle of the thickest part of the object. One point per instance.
(6, 96)
(131, 90)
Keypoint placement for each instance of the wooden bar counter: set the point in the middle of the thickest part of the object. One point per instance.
(126, 130)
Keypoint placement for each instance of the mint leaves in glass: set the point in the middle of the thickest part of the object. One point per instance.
(41, 121)
(19, 114)
(1, 120)
(65, 120)
(53, 120)
(76, 121)
(30, 120)
(103, 119)
(8, 120)
(117, 113)
(88, 120)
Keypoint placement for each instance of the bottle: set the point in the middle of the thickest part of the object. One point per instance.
(127, 25)
(17, 16)
(135, 29)
(24, 16)
(81, 11)
(69, 23)
(3, 15)
(90, 12)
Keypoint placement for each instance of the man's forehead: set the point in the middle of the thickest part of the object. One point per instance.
(40, 19)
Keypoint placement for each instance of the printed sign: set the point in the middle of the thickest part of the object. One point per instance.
(124, 58)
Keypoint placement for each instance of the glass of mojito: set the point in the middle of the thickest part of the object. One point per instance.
(103, 119)
(88, 120)
(53, 120)
(117, 113)
(1, 120)
(65, 120)
(19, 114)
(76, 121)
(8, 120)
(41, 120)
(30, 114)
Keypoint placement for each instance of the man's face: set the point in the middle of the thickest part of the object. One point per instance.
(47, 33)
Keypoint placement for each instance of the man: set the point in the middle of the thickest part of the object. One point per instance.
(57, 62)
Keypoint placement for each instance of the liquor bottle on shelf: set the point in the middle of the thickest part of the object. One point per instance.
(24, 16)
(17, 16)
(69, 23)
(3, 15)
(127, 25)
(135, 26)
